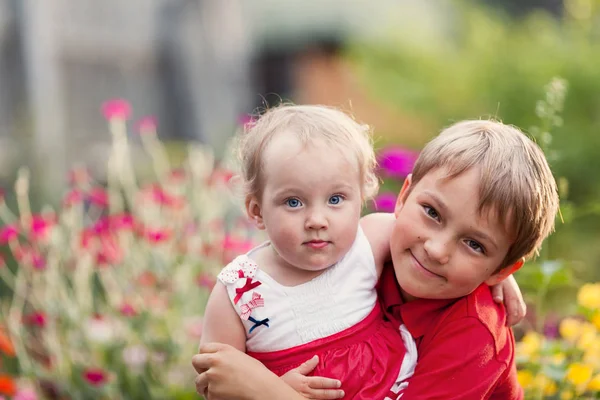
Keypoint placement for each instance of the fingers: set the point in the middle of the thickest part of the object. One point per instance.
(519, 310)
(498, 294)
(318, 382)
(325, 394)
(212, 347)
(201, 384)
(307, 366)
(202, 362)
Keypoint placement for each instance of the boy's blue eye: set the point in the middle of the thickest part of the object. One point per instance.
(431, 212)
(336, 199)
(475, 246)
(293, 203)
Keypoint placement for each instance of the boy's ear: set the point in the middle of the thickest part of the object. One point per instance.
(504, 273)
(254, 211)
(403, 194)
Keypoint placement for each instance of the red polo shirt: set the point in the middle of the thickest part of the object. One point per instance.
(465, 351)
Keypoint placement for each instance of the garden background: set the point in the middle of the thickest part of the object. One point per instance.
(118, 208)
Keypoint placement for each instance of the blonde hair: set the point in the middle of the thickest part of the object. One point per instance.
(307, 122)
(516, 181)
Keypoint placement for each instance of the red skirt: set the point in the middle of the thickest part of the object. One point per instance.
(366, 357)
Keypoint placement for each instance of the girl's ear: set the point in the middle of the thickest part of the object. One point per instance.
(403, 194)
(254, 211)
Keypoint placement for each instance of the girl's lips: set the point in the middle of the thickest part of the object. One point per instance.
(317, 244)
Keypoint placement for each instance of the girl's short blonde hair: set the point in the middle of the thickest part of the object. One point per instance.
(308, 123)
(516, 181)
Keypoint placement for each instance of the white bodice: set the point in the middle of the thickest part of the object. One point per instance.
(278, 317)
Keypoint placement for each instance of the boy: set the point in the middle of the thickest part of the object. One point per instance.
(481, 199)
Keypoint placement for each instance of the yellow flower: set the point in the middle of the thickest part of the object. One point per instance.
(566, 395)
(596, 319)
(547, 385)
(579, 373)
(525, 378)
(570, 329)
(589, 296)
(594, 384)
(587, 336)
(531, 343)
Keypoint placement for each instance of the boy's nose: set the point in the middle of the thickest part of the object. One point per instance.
(438, 250)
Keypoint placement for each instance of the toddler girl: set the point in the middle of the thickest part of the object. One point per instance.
(310, 289)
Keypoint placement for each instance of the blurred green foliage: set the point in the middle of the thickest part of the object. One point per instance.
(482, 63)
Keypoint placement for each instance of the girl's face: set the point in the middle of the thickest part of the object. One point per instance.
(310, 204)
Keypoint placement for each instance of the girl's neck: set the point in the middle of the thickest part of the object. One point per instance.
(281, 271)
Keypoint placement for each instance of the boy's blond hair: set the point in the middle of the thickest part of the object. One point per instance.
(516, 181)
(308, 123)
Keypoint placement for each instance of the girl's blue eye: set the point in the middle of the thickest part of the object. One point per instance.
(432, 213)
(475, 246)
(336, 199)
(293, 203)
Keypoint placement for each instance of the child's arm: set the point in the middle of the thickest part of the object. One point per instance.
(221, 322)
(378, 229)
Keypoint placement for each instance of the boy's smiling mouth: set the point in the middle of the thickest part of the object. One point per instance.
(420, 268)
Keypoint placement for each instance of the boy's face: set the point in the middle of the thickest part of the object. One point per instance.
(441, 246)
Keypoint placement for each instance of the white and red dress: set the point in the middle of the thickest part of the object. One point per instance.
(335, 316)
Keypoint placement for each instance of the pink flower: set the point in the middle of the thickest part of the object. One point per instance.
(397, 162)
(247, 121)
(385, 202)
(79, 176)
(127, 310)
(147, 124)
(110, 252)
(25, 394)
(157, 235)
(8, 233)
(177, 175)
(40, 226)
(35, 319)
(121, 222)
(206, 280)
(72, 197)
(159, 196)
(98, 196)
(95, 376)
(116, 109)
(147, 279)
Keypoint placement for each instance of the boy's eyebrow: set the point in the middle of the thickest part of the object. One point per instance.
(483, 237)
(440, 204)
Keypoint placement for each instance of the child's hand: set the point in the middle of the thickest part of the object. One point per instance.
(508, 292)
(313, 387)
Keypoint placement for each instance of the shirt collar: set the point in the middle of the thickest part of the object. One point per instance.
(419, 315)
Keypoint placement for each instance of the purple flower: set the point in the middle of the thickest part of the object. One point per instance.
(385, 202)
(397, 162)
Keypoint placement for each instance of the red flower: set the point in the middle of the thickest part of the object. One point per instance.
(7, 385)
(116, 109)
(98, 196)
(95, 376)
(147, 279)
(8, 233)
(35, 319)
(147, 124)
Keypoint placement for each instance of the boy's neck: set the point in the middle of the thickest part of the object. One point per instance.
(407, 297)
